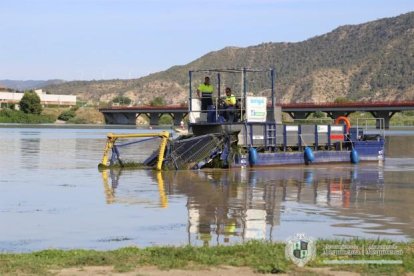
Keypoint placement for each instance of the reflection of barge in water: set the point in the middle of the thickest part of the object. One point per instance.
(255, 137)
(228, 205)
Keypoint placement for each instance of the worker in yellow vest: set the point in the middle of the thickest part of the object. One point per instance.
(229, 106)
(205, 92)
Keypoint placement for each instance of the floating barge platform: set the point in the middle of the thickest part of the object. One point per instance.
(255, 137)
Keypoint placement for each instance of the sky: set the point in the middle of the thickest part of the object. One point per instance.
(108, 39)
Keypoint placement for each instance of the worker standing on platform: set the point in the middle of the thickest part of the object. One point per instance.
(229, 105)
(205, 92)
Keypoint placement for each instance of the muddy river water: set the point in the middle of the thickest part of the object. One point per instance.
(53, 196)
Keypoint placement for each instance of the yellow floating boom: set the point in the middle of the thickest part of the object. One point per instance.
(164, 135)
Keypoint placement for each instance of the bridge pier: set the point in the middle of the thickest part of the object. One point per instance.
(177, 118)
(120, 118)
(299, 115)
(386, 115)
(154, 118)
(336, 114)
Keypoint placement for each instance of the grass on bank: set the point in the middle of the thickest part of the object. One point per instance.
(262, 257)
(17, 116)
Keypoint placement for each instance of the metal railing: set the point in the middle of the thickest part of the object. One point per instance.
(372, 125)
(238, 110)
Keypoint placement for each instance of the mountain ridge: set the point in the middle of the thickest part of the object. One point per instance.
(21, 85)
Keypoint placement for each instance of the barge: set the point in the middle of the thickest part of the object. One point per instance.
(255, 135)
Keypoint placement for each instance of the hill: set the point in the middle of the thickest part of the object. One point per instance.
(27, 85)
(370, 61)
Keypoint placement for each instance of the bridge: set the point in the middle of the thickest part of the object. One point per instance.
(385, 110)
(127, 115)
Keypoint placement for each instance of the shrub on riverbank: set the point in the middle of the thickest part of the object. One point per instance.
(17, 116)
(68, 114)
(87, 115)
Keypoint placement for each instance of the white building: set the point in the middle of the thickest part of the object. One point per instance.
(45, 99)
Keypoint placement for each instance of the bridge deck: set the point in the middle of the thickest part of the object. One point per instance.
(355, 106)
(128, 115)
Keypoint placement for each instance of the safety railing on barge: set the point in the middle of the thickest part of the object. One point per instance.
(283, 137)
(217, 112)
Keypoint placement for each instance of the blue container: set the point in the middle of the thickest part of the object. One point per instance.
(252, 156)
(309, 157)
(354, 157)
(211, 114)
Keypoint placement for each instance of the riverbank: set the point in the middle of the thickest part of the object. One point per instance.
(82, 115)
(243, 259)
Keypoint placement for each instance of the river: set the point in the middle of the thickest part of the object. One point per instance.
(53, 196)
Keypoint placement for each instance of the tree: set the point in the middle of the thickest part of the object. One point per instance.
(122, 100)
(30, 103)
(340, 100)
(67, 115)
(318, 114)
(157, 101)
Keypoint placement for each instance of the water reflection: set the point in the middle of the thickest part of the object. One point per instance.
(29, 149)
(52, 197)
(399, 146)
(114, 176)
(237, 205)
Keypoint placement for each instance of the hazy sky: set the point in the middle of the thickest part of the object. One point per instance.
(103, 39)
